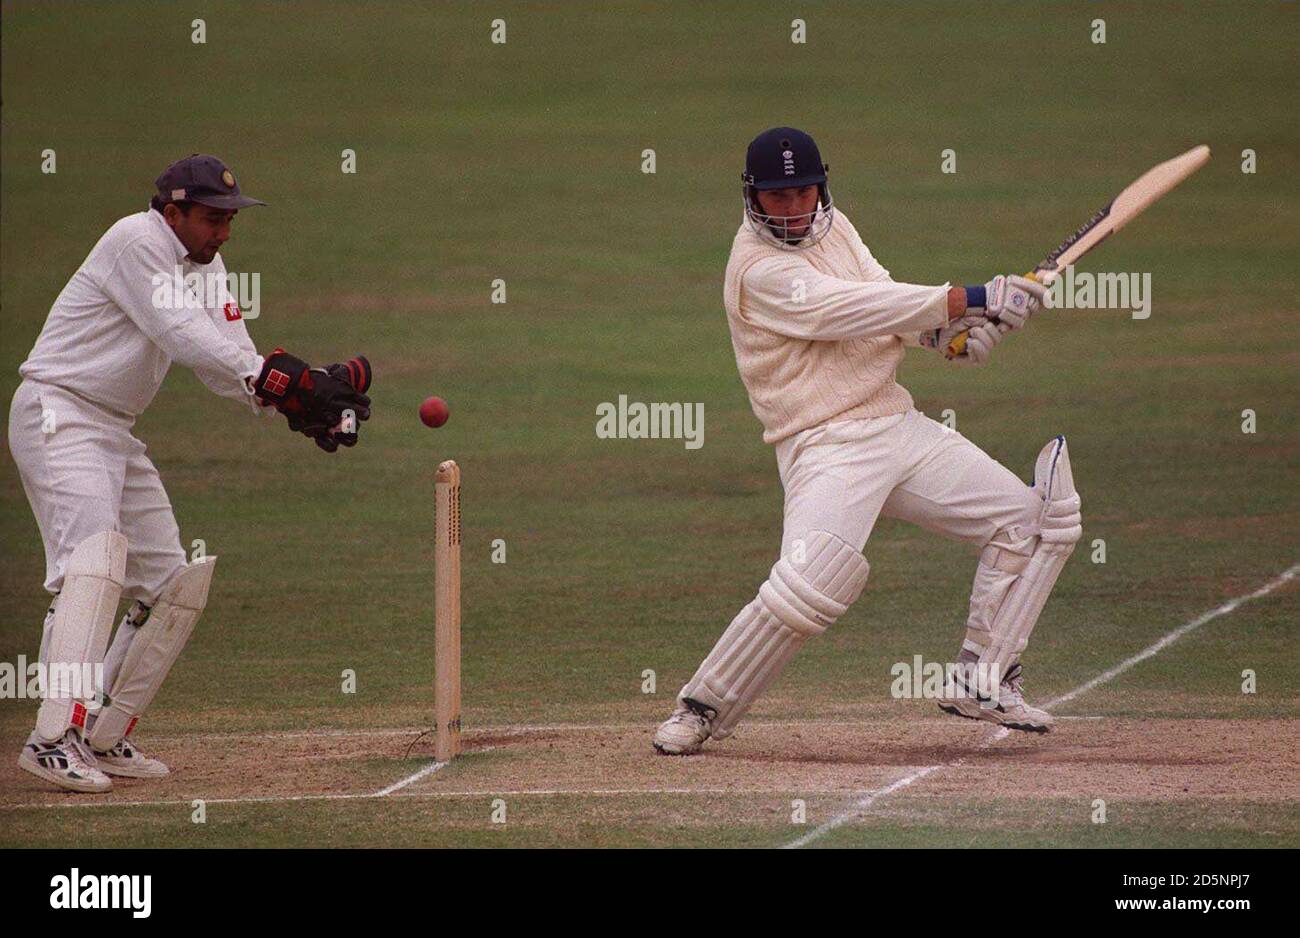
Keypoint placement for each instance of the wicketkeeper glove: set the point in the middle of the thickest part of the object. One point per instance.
(317, 401)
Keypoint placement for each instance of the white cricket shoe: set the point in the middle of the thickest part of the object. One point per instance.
(1010, 710)
(683, 733)
(67, 763)
(128, 760)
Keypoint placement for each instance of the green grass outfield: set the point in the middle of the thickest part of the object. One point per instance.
(522, 162)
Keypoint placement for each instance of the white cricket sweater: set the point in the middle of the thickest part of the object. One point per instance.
(819, 333)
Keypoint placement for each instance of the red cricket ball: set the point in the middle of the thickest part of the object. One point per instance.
(434, 412)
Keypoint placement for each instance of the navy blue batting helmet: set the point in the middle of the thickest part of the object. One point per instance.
(786, 158)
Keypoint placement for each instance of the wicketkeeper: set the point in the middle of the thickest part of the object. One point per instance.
(152, 291)
(819, 329)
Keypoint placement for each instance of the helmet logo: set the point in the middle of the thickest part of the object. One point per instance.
(788, 165)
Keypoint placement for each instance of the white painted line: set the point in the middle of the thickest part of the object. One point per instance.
(410, 779)
(508, 728)
(252, 799)
(1175, 635)
(618, 792)
(256, 799)
(462, 793)
(871, 797)
(283, 734)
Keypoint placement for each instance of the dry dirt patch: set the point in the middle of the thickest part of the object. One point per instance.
(1167, 759)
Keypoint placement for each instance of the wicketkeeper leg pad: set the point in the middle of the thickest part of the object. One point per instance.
(803, 596)
(152, 652)
(78, 636)
(1012, 583)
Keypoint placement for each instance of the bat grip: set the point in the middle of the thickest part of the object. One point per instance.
(957, 344)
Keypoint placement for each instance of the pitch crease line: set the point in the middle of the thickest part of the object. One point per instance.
(416, 795)
(410, 779)
(489, 729)
(871, 797)
(519, 728)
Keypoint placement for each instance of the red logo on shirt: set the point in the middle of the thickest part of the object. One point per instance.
(277, 382)
(232, 312)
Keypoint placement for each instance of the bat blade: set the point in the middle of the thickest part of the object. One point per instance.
(1136, 198)
(1129, 204)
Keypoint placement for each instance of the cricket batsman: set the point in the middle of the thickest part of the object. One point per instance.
(104, 517)
(819, 328)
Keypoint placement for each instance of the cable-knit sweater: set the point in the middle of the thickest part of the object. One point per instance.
(819, 333)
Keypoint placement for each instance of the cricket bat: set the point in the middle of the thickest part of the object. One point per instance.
(1126, 206)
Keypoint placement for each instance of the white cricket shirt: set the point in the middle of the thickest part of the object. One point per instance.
(111, 340)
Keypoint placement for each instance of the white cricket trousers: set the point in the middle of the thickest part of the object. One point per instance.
(84, 473)
(840, 477)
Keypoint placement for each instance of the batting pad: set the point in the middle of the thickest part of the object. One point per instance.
(805, 593)
(83, 618)
(153, 651)
(1060, 526)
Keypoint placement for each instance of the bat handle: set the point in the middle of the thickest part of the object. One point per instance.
(957, 344)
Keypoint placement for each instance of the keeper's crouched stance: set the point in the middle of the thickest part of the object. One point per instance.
(819, 328)
(105, 519)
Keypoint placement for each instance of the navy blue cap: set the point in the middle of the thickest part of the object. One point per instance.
(783, 158)
(203, 179)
